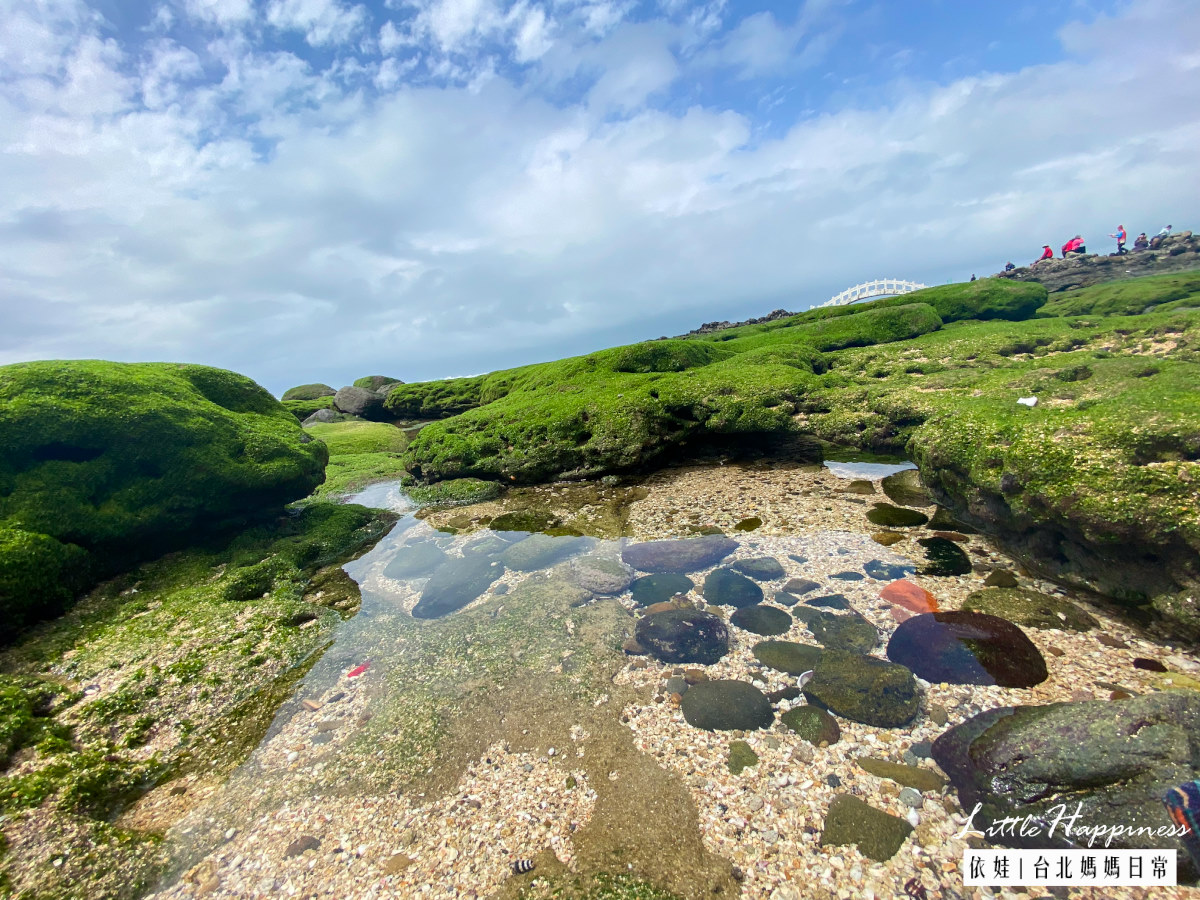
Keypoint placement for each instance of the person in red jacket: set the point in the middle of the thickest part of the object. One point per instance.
(1047, 253)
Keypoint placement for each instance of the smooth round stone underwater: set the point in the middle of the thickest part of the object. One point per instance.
(967, 648)
(683, 636)
(727, 706)
(678, 556)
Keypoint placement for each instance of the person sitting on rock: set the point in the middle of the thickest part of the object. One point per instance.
(1121, 237)
(1008, 266)
(1074, 245)
(1047, 253)
(1140, 242)
(1156, 241)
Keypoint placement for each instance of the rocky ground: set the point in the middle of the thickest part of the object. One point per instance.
(752, 805)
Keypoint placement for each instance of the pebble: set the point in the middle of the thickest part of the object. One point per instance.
(912, 797)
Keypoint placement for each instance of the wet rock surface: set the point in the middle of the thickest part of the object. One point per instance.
(727, 706)
(678, 556)
(683, 636)
(800, 586)
(1116, 759)
(910, 596)
(829, 601)
(925, 780)
(540, 551)
(905, 489)
(601, 575)
(967, 648)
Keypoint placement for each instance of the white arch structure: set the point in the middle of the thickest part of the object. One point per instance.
(880, 287)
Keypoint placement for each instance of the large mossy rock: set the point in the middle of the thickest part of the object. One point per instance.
(1115, 759)
(103, 463)
(846, 631)
(788, 656)
(1031, 609)
(377, 383)
(308, 392)
(813, 724)
(727, 706)
(678, 556)
(684, 636)
(864, 689)
(987, 298)
(961, 647)
(905, 489)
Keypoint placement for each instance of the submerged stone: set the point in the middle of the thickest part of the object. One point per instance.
(760, 619)
(925, 780)
(882, 571)
(541, 551)
(788, 656)
(1031, 609)
(844, 632)
(530, 520)
(813, 724)
(683, 636)
(727, 706)
(764, 568)
(944, 520)
(650, 589)
(905, 489)
(601, 575)
(1001, 578)
(801, 586)
(894, 516)
(456, 584)
(829, 601)
(879, 835)
(750, 524)
(741, 756)
(859, 486)
(848, 576)
(911, 596)
(724, 587)
(967, 648)
(864, 689)
(783, 598)
(944, 557)
(415, 560)
(678, 556)
(887, 538)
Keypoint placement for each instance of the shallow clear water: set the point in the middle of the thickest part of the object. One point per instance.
(854, 469)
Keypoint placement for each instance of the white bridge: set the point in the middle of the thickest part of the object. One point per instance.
(880, 287)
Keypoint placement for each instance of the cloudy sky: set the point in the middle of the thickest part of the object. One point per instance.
(314, 190)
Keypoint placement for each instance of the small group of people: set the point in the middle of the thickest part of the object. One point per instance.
(1077, 247)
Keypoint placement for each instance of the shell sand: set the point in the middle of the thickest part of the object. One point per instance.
(517, 728)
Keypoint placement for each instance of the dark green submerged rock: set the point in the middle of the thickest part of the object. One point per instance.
(684, 636)
(103, 464)
(763, 568)
(852, 821)
(726, 706)
(678, 556)
(849, 631)
(813, 724)
(651, 589)
(760, 619)
(944, 557)
(724, 587)
(895, 516)
(788, 656)
(967, 648)
(864, 689)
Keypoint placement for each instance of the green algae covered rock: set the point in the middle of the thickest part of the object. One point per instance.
(308, 392)
(103, 463)
(813, 724)
(876, 833)
(375, 382)
(988, 298)
(741, 756)
(1031, 609)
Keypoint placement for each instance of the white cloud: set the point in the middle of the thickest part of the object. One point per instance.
(533, 34)
(278, 222)
(224, 13)
(322, 21)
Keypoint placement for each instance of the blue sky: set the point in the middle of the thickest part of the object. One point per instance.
(319, 189)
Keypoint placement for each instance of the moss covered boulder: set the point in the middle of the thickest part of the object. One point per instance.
(987, 298)
(813, 724)
(788, 656)
(879, 835)
(727, 706)
(377, 383)
(1032, 609)
(104, 463)
(308, 392)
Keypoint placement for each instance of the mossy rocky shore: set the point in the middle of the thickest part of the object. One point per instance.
(1098, 484)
